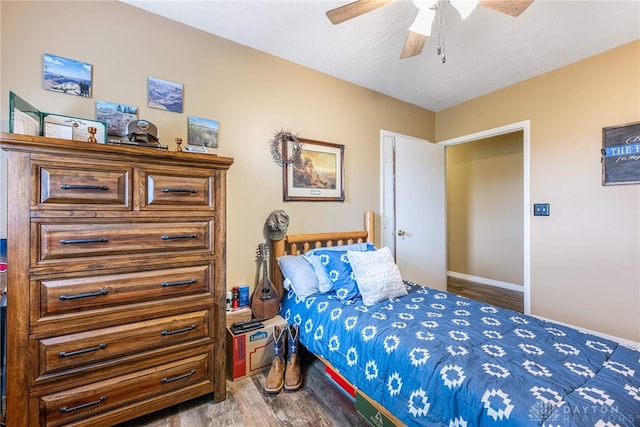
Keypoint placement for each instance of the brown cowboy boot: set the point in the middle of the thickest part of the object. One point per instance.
(275, 377)
(292, 376)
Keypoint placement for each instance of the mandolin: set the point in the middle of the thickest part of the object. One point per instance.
(265, 300)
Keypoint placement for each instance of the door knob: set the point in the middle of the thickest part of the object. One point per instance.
(401, 233)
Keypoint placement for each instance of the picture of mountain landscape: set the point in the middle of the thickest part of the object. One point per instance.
(117, 116)
(202, 132)
(164, 95)
(66, 75)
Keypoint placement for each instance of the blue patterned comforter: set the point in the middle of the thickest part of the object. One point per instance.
(436, 359)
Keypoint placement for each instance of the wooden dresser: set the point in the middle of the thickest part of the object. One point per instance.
(116, 280)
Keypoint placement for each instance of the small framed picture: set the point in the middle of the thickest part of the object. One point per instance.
(164, 95)
(317, 175)
(117, 116)
(75, 128)
(66, 75)
(202, 132)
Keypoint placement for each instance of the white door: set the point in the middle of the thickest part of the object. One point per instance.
(413, 193)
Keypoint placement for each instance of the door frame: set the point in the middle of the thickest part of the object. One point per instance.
(525, 127)
(431, 170)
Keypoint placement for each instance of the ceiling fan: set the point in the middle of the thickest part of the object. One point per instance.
(421, 27)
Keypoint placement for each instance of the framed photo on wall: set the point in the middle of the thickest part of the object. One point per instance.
(317, 175)
(621, 154)
(164, 95)
(66, 75)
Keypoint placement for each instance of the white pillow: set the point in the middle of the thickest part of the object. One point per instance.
(377, 275)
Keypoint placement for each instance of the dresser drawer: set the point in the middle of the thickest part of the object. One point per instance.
(65, 241)
(88, 348)
(98, 187)
(183, 190)
(82, 402)
(97, 292)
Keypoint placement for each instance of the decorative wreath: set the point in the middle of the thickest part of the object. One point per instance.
(285, 148)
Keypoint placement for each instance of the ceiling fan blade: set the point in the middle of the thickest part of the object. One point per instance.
(355, 9)
(510, 7)
(412, 45)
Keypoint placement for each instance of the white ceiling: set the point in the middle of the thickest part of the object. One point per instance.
(484, 53)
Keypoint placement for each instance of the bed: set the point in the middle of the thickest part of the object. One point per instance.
(433, 358)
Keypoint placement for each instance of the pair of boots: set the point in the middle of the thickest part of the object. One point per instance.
(289, 377)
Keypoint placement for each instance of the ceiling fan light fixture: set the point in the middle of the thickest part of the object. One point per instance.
(424, 21)
(465, 7)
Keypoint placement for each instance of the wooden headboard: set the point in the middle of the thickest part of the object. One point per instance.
(296, 244)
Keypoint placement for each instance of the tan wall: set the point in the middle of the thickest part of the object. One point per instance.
(484, 208)
(585, 267)
(584, 257)
(252, 94)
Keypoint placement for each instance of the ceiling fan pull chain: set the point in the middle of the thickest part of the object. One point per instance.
(441, 32)
(438, 27)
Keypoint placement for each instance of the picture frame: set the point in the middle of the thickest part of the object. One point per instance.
(317, 175)
(621, 154)
(24, 118)
(73, 128)
(117, 116)
(202, 132)
(164, 95)
(66, 75)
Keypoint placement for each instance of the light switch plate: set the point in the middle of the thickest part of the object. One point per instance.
(541, 209)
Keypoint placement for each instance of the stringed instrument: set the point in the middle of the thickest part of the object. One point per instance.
(265, 300)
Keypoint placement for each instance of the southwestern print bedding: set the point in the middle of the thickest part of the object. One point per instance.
(433, 358)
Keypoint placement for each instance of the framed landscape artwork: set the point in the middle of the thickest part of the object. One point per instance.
(202, 132)
(317, 175)
(117, 116)
(66, 75)
(164, 95)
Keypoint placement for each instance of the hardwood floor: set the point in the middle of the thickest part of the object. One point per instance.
(506, 298)
(318, 402)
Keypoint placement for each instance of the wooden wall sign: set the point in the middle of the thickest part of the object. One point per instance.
(621, 154)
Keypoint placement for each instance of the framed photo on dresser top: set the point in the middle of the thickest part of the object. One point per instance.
(317, 175)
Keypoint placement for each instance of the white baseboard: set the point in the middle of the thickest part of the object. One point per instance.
(518, 288)
(628, 343)
(485, 281)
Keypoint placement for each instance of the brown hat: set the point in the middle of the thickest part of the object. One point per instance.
(142, 131)
(277, 224)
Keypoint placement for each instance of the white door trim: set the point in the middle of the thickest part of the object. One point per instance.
(421, 255)
(525, 127)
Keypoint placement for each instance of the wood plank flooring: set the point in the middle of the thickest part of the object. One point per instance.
(513, 300)
(318, 402)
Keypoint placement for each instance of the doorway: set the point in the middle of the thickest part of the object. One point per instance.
(389, 208)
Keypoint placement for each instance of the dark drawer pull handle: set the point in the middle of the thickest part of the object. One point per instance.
(85, 295)
(184, 236)
(179, 190)
(83, 351)
(75, 408)
(74, 241)
(181, 282)
(179, 377)
(83, 187)
(178, 331)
